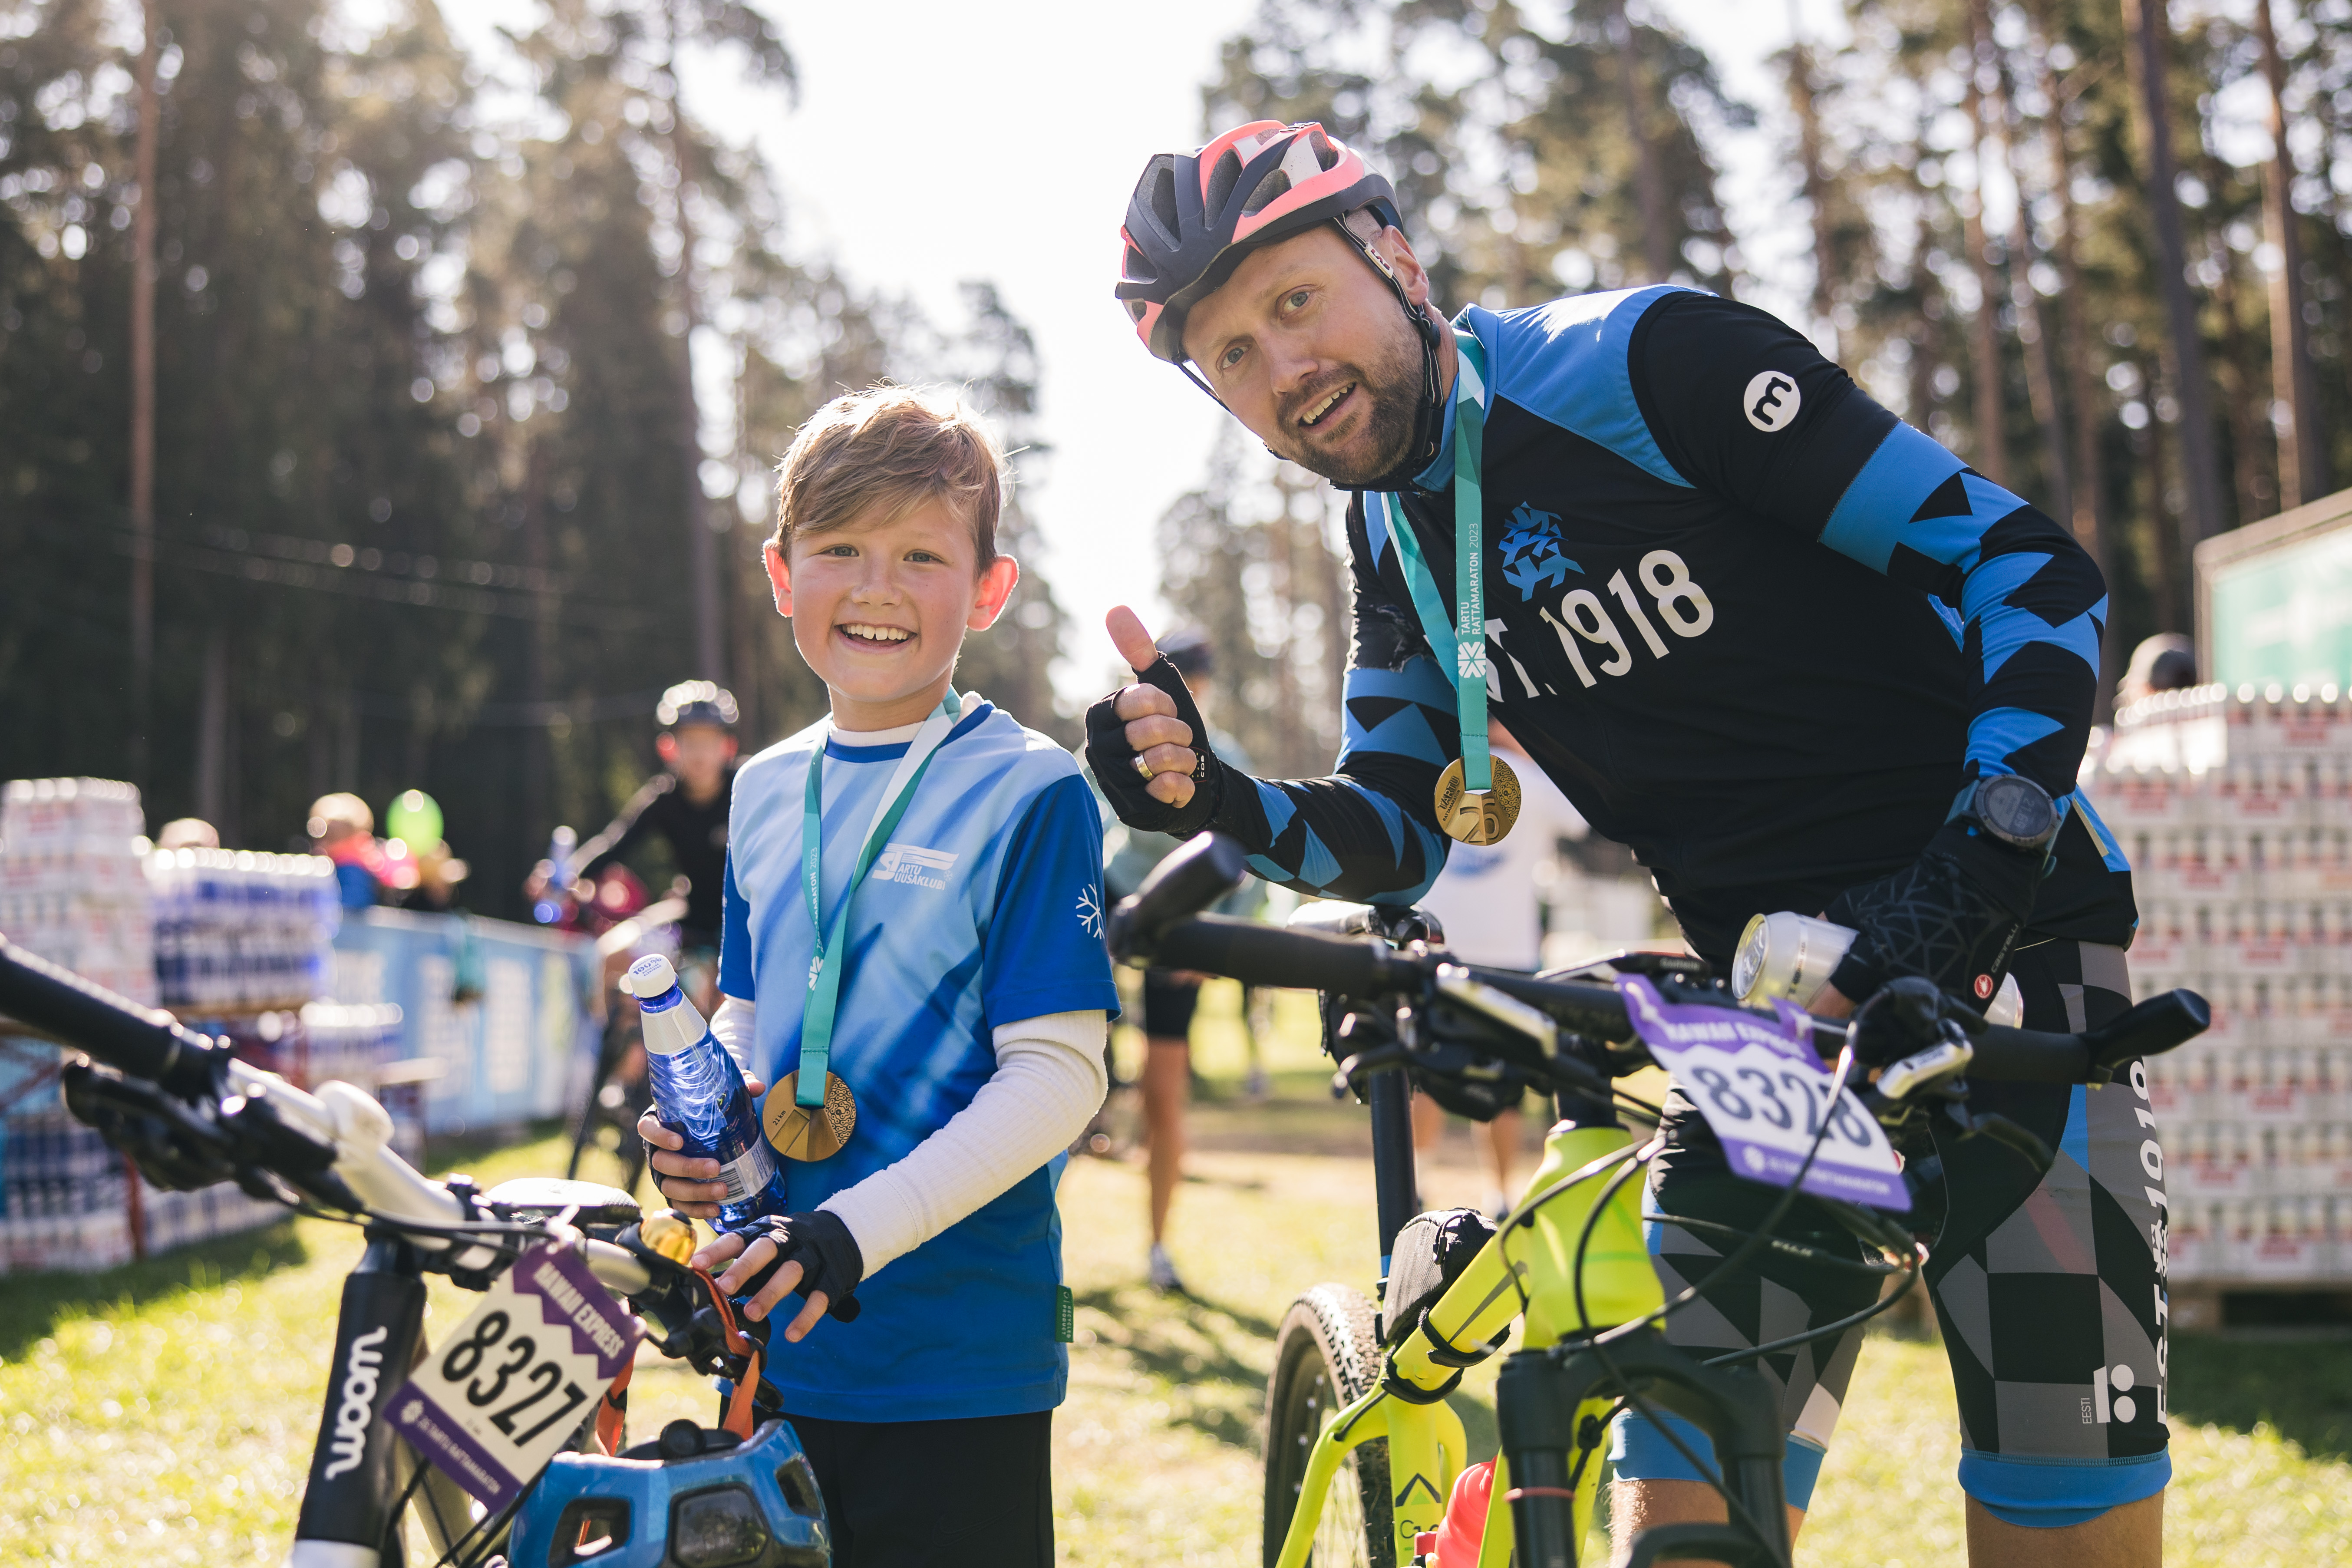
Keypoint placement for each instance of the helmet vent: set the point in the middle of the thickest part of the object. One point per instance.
(1157, 190)
(1222, 179)
(1268, 189)
(1138, 268)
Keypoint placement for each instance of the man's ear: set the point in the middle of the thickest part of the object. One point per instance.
(780, 577)
(665, 747)
(994, 588)
(1393, 245)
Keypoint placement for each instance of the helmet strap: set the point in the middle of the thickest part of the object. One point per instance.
(1429, 422)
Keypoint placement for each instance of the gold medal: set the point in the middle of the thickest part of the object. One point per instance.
(1477, 816)
(804, 1132)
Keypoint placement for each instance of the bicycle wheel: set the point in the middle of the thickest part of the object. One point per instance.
(1325, 1356)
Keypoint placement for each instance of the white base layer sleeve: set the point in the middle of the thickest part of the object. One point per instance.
(1049, 1081)
(731, 1027)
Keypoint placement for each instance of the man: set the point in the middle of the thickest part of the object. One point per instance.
(1788, 650)
(686, 804)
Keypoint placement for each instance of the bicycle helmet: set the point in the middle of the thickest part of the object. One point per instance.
(697, 702)
(1194, 215)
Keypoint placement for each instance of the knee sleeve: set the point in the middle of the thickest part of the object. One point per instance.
(2052, 1493)
(1640, 1452)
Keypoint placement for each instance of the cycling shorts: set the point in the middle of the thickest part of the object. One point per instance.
(1168, 1005)
(2048, 1283)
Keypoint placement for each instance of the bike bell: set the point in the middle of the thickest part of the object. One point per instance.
(689, 1498)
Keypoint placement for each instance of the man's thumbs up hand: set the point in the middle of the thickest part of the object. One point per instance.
(1146, 743)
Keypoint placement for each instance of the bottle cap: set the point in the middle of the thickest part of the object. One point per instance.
(649, 976)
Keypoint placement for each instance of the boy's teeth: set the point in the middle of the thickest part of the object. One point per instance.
(879, 634)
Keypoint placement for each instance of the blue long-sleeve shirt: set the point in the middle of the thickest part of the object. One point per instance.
(1755, 626)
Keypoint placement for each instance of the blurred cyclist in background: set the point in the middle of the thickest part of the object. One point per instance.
(686, 804)
(1169, 995)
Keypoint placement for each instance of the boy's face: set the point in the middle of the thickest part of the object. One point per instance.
(698, 756)
(880, 609)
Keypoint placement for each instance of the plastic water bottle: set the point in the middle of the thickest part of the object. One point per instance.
(698, 1093)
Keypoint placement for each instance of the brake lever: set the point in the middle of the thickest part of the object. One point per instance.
(2013, 1135)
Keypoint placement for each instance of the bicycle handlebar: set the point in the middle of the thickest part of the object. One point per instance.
(341, 1123)
(1153, 924)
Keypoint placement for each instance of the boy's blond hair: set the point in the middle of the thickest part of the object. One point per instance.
(891, 447)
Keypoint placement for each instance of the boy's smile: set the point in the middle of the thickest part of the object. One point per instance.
(880, 609)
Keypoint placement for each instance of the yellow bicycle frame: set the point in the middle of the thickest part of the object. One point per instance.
(1528, 1269)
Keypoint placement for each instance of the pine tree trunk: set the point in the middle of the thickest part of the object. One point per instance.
(142, 406)
(701, 546)
(2041, 366)
(1984, 331)
(2302, 453)
(1817, 190)
(1658, 236)
(2185, 349)
(2087, 490)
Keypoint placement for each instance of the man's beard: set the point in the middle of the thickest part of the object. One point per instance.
(1394, 386)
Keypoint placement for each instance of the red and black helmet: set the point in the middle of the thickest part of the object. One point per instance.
(1194, 215)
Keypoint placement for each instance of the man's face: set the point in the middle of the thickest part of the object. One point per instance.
(1306, 345)
(698, 756)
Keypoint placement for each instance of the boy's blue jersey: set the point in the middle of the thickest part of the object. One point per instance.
(1754, 626)
(984, 907)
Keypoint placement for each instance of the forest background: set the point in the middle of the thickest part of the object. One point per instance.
(427, 492)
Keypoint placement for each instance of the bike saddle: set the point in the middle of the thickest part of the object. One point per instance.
(534, 1196)
(689, 1498)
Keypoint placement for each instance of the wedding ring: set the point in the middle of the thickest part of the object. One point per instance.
(1144, 768)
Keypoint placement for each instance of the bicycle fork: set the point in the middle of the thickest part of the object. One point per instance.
(1426, 1450)
(1544, 1396)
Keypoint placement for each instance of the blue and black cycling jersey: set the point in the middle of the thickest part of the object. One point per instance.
(1756, 627)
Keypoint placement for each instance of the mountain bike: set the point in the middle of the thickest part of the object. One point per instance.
(1361, 1450)
(527, 1399)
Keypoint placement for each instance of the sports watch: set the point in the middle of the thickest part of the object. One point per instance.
(2013, 811)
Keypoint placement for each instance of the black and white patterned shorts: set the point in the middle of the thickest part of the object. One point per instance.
(2049, 1284)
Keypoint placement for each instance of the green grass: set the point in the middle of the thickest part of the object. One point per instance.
(163, 1413)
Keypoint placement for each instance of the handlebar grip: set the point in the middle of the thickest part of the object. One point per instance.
(2155, 1026)
(1185, 883)
(1258, 954)
(143, 1042)
(2034, 1056)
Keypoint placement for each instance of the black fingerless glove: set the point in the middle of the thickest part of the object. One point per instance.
(1903, 1017)
(821, 1243)
(1950, 916)
(1113, 760)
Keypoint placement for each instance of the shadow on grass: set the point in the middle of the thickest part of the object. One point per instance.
(33, 1304)
(1204, 1361)
(2302, 1390)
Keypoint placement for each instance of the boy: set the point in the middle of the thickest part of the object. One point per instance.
(972, 993)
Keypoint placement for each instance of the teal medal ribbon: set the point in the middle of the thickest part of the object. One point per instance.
(1466, 631)
(825, 977)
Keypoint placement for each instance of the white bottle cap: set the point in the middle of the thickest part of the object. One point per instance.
(649, 977)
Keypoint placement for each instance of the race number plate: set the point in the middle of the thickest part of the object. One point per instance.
(1764, 1093)
(493, 1403)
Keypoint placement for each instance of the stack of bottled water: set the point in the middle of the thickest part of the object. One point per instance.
(238, 931)
(70, 883)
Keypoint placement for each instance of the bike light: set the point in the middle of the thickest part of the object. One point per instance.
(721, 1528)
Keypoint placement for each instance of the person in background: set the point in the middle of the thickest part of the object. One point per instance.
(2165, 662)
(1488, 900)
(687, 805)
(342, 828)
(1169, 995)
(189, 833)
